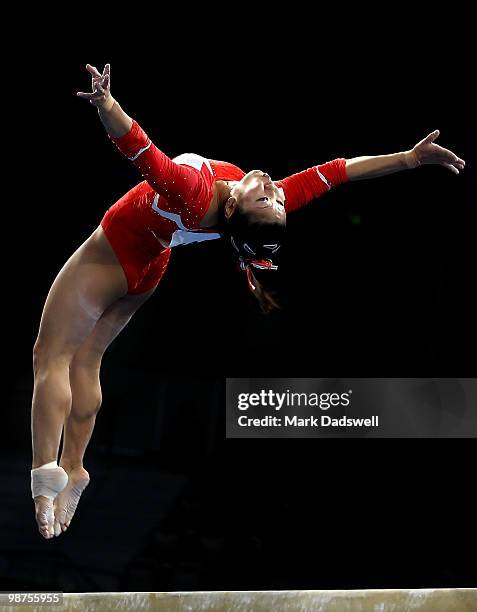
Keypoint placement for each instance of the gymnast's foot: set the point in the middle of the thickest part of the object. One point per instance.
(44, 516)
(46, 482)
(66, 501)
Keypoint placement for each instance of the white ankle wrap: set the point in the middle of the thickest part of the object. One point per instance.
(48, 480)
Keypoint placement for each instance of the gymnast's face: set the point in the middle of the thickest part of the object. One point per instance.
(257, 196)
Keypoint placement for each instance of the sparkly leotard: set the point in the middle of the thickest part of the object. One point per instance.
(165, 210)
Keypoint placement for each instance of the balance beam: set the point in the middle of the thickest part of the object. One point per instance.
(380, 600)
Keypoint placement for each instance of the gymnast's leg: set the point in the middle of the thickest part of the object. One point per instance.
(90, 281)
(86, 402)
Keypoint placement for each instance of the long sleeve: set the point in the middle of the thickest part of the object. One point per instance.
(173, 181)
(305, 186)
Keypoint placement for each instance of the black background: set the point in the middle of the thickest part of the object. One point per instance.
(377, 281)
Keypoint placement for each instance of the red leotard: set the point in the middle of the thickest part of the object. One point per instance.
(165, 210)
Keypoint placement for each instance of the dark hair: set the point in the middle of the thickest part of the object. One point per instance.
(256, 245)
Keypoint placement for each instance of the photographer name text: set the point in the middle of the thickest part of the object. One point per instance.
(312, 421)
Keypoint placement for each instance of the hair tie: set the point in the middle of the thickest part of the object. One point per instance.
(261, 264)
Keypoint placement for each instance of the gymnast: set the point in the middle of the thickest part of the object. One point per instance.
(180, 201)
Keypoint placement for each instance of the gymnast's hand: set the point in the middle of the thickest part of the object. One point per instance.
(100, 96)
(427, 152)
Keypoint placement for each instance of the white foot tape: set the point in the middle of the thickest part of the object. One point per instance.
(48, 480)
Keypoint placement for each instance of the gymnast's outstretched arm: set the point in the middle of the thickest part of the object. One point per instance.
(303, 187)
(425, 152)
(166, 177)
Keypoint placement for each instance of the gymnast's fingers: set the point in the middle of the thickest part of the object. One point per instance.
(451, 168)
(84, 95)
(92, 70)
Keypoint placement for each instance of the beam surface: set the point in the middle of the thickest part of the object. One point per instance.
(407, 600)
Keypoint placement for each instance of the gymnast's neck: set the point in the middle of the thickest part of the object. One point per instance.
(214, 214)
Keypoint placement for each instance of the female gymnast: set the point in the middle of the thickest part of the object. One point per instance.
(184, 200)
